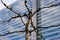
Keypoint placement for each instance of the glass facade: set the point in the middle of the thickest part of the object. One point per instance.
(46, 17)
(15, 24)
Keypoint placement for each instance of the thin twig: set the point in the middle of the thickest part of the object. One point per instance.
(14, 18)
(12, 10)
(8, 7)
(10, 19)
(27, 6)
(11, 33)
(46, 27)
(46, 7)
(22, 21)
(32, 24)
(21, 18)
(18, 15)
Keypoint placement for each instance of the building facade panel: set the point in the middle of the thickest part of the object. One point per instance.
(46, 17)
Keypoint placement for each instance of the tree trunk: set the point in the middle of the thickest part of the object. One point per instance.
(27, 34)
(28, 26)
(28, 30)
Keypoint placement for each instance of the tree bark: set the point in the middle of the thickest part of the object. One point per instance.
(28, 30)
(28, 27)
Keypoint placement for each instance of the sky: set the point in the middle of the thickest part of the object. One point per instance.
(8, 2)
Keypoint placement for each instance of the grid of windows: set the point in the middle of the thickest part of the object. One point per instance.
(14, 24)
(47, 17)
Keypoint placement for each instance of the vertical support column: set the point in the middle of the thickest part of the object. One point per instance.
(33, 34)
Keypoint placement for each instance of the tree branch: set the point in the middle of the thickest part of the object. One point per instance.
(18, 15)
(12, 10)
(46, 7)
(10, 19)
(14, 18)
(22, 21)
(32, 24)
(11, 33)
(8, 7)
(45, 27)
(27, 6)
(21, 18)
(5, 5)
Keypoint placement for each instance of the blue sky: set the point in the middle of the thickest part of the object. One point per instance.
(8, 2)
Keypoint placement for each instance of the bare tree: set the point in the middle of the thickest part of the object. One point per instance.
(27, 25)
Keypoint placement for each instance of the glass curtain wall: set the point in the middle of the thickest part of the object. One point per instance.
(47, 16)
(15, 24)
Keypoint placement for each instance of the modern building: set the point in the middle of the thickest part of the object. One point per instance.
(47, 16)
(14, 24)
